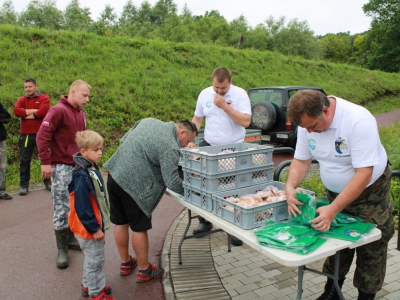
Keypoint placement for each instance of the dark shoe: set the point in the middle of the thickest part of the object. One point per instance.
(365, 296)
(151, 272)
(72, 242)
(5, 196)
(62, 256)
(85, 291)
(23, 191)
(102, 296)
(126, 268)
(235, 241)
(47, 185)
(330, 292)
(203, 227)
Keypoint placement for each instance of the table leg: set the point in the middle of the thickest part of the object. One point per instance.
(336, 275)
(184, 236)
(300, 282)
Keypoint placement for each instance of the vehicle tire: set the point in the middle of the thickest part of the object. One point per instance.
(263, 115)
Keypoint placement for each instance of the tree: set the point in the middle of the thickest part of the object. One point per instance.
(107, 23)
(42, 15)
(77, 18)
(294, 39)
(162, 10)
(7, 13)
(336, 48)
(382, 41)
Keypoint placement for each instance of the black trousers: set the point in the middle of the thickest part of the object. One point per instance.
(26, 143)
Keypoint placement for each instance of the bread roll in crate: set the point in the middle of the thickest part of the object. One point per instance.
(213, 160)
(252, 206)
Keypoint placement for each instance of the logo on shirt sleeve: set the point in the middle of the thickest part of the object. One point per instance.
(46, 123)
(340, 146)
(312, 144)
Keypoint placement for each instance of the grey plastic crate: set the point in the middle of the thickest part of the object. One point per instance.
(252, 136)
(227, 181)
(197, 197)
(244, 157)
(249, 218)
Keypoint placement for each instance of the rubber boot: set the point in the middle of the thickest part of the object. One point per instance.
(365, 296)
(72, 242)
(62, 257)
(330, 292)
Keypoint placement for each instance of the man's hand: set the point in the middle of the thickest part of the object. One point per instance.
(293, 202)
(47, 172)
(325, 218)
(220, 102)
(98, 235)
(191, 145)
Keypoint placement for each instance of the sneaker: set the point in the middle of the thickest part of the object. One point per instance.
(85, 290)
(102, 296)
(151, 272)
(23, 191)
(5, 196)
(126, 268)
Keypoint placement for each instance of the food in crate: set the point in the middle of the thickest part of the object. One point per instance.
(268, 195)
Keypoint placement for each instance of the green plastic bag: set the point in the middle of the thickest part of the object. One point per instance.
(308, 210)
(302, 251)
(349, 232)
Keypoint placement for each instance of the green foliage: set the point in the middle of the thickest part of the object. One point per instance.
(42, 15)
(7, 13)
(382, 48)
(138, 78)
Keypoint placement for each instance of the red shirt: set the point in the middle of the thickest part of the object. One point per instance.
(41, 102)
(55, 139)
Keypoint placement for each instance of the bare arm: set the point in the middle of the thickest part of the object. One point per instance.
(351, 191)
(197, 120)
(236, 116)
(297, 172)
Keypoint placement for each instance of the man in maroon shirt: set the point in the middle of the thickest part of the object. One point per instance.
(31, 108)
(56, 144)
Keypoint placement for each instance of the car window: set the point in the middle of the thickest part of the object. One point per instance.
(272, 96)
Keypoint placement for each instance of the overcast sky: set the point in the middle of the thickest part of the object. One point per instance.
(323, 16)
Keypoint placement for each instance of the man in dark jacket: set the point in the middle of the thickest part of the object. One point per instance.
(5, 117)
(31, 108)
(56, 144)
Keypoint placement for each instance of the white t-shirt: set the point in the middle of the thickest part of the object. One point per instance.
(219, 128)
(352, 141)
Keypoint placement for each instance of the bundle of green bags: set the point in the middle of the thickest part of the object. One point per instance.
(298, 236)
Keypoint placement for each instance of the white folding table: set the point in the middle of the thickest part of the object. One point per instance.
(286, 258)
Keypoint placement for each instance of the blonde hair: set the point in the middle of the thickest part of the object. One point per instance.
(88, 139)
(77, 84)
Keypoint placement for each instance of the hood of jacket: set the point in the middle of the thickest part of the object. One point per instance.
(82, 163)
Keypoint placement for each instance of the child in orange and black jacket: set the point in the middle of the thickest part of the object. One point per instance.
(89, 214)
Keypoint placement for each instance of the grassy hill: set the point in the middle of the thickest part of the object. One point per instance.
(136, 78)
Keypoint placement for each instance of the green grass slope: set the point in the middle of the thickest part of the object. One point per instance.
(136, 78)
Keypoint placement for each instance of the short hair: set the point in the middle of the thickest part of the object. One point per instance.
(77, 84)
(189, 126)
(88, 139)
(221, 74)
(30, 80)
(307, 102)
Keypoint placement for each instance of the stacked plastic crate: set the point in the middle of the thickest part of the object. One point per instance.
(212, 175)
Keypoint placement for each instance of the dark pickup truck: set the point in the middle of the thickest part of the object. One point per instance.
(269, 113)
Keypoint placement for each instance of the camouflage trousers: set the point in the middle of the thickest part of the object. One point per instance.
(60, 179)
(3, 164)
(375, 206)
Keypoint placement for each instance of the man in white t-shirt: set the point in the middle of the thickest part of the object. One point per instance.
(227, 111)
(354, 169)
